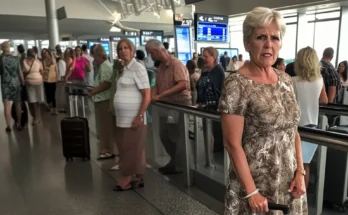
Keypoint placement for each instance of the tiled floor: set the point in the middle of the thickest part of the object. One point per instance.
(36, 180)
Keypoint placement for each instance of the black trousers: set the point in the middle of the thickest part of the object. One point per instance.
(50, 91)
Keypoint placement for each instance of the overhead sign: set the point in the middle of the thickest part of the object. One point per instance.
(146, 35)
(183, 43)
(130, 33)
(211, 28)
(104, 39)
(82, 41)
(179, 20)
(211, 18)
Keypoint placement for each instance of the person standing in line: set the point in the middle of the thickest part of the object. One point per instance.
(21, 54)
(117, 71)
(208, 96)
(88, 74)
(130, 102)
(69, 59)
(36, 51)
(241, 62)
(77, 75)
(195, 57)
(259, 117)
(224, 60)
(100, 95)
(62, 104)
(279, 64)
(233, 66)
(33, 72)
(310, 91)
(172, 85)
(50, 77)
(331, 78)
(343, 72)
(194, 77)
(11, 80)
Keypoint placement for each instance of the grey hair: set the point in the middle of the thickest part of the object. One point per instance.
(100, 51)
(154, 44)
(262, 17)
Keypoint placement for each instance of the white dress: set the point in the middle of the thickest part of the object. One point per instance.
(128, 98)
(307, 96)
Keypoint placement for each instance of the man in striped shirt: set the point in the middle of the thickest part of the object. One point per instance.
(331, 79)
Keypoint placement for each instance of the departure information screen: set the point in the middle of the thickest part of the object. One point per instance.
(146, 35)
(211, 28)
(183, 41)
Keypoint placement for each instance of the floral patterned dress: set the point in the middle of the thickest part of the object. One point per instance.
(271, 116)
(10, 81)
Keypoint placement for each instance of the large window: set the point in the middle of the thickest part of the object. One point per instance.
(236, 36)
(288, 50)
(323, 29)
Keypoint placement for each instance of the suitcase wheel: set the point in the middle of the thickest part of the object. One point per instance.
(68, 159)
(86, 158)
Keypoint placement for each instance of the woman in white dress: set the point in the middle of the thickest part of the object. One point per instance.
(310, 92)
(130, 102)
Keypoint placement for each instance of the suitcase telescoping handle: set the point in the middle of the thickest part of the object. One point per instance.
(73, 102)
(277, 207)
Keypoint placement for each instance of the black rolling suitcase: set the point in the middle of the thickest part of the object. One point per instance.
(75, 130)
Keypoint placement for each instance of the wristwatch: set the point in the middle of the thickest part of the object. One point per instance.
(302, 171)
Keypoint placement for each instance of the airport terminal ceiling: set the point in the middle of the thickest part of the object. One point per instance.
(31, 24)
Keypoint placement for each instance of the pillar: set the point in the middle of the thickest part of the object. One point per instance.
(52, 23)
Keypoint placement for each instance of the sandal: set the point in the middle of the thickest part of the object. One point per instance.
(8, 129)
(115, 168)
(105, 156)
(119, 188)
(138, 183)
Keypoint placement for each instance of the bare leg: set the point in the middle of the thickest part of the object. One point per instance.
(307, 177)
(19, 113)
(32, 110)
(7, 112)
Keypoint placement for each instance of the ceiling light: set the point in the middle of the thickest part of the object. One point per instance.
(115, 29)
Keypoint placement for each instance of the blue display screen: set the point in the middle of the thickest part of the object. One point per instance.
(215, 32)
(105, 45)
(183, 41)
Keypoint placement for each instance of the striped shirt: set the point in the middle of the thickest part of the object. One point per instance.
(331, 79)
(128, 98)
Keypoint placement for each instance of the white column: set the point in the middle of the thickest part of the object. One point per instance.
(52, 23)
(343, 42)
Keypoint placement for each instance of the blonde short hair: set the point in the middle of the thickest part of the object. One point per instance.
(212, 52)
(100, 51)
(128, 43)
(5, 47)
(262, 17)
(307, 64)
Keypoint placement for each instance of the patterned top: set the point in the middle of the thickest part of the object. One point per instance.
(128, 98)
(209, 87)
(168, 75)
(103, 73)
(271, 116)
